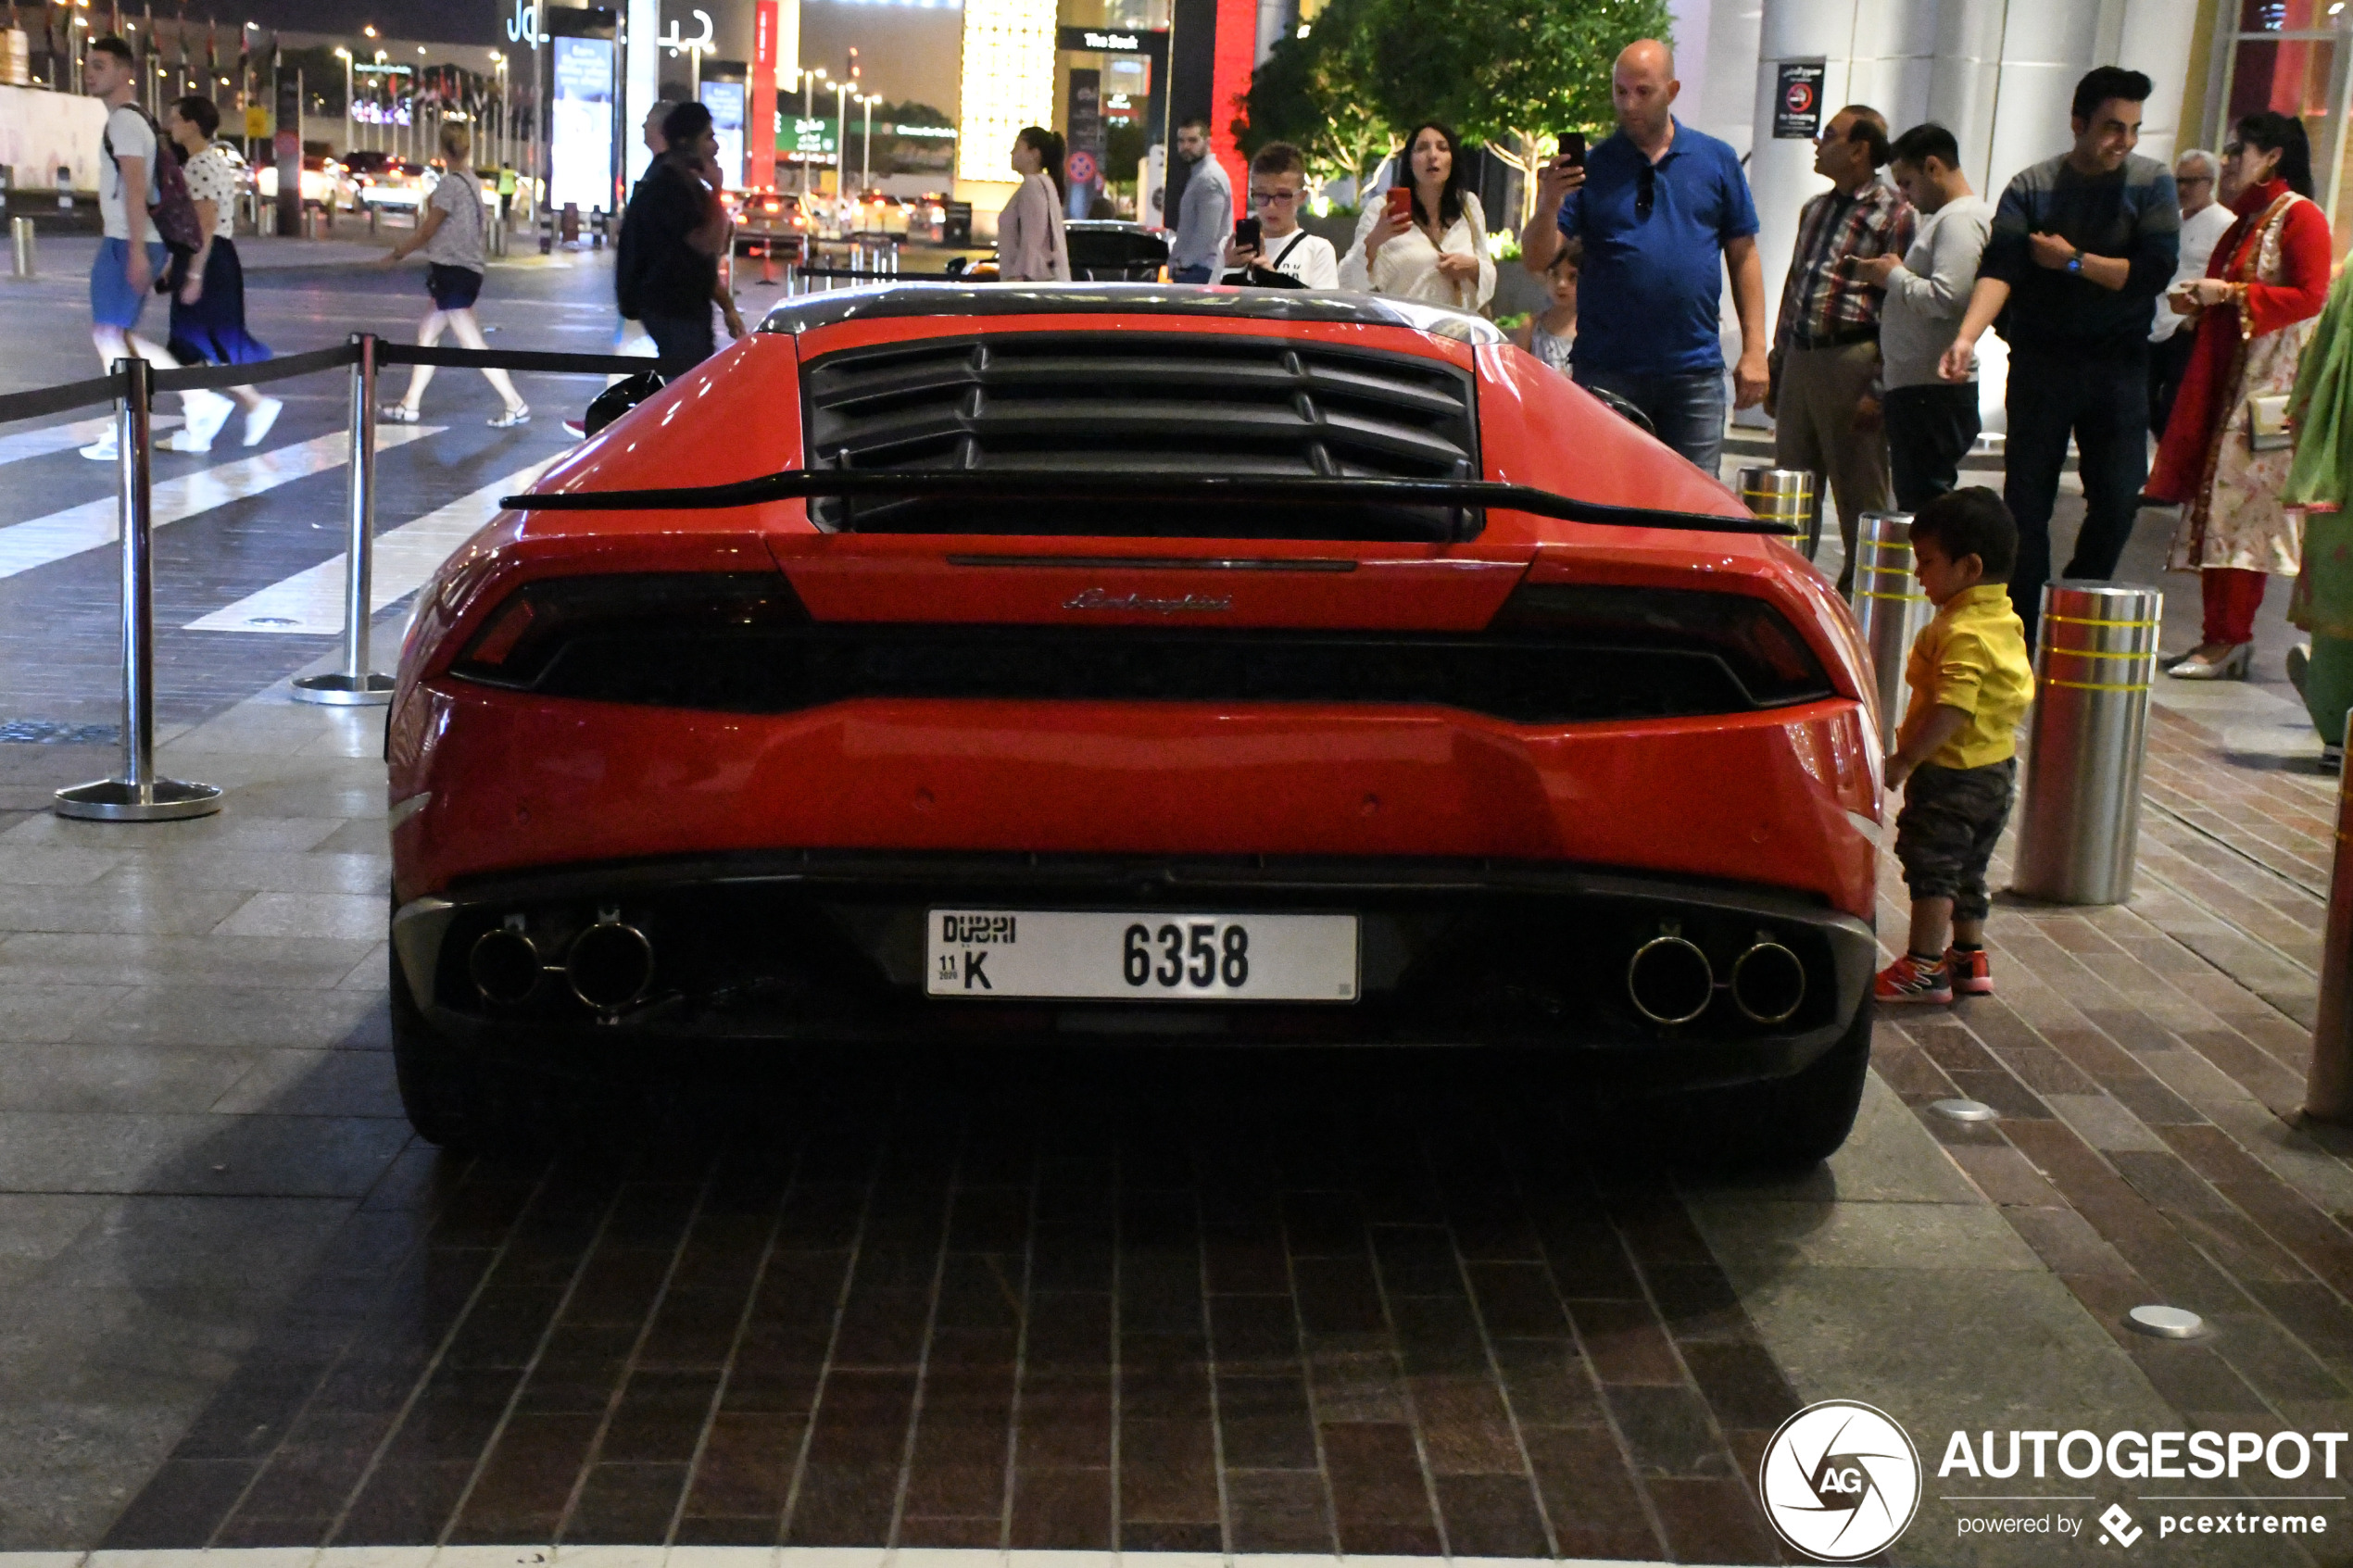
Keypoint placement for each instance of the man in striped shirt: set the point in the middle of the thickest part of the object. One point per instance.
(1826, 404)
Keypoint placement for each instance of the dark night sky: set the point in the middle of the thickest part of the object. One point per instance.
(446, 21)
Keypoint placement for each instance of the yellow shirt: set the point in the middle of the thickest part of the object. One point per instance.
(1971, 657)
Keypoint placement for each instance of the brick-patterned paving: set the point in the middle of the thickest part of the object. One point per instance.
(1243, 1307)
(2148, 1062)
(1128, 1315)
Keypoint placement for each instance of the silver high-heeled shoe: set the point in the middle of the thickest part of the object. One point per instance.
(2231, 666)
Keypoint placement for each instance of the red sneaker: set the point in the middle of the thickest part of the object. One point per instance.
(1969, 973)
(1908, 980)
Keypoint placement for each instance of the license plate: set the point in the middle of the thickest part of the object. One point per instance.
(1159, 958)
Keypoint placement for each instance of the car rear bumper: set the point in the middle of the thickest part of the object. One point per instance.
(828, 947)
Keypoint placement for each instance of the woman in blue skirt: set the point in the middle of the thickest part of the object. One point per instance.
(208, 289)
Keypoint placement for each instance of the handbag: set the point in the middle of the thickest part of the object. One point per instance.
(2267, 426)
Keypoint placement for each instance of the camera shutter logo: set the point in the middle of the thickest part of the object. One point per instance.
(1841, 1480)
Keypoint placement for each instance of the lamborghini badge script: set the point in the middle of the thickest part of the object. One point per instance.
(1191, 604)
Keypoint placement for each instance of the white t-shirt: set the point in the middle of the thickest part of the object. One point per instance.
(129, 135)
(214, 175)
(2201, 232)
(1407, 265)
(1308, 258)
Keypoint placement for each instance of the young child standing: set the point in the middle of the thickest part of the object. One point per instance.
(1956, 755)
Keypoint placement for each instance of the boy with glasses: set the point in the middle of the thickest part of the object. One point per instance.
(1286, 257)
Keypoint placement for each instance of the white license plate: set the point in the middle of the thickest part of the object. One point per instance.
(1154, 958)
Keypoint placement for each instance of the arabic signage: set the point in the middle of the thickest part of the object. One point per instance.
(808, 138)
(1797, 100)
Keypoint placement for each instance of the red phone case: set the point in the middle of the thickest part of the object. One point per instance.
(1401, 202)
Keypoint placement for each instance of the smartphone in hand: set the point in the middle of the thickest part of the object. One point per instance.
(1401, 204)
(1247, 234)
(1570, 152)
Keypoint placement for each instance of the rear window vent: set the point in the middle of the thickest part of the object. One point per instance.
(1129, 403)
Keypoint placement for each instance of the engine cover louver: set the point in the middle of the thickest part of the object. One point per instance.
(1130, 403)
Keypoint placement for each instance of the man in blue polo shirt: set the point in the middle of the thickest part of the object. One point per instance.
(1661, 210)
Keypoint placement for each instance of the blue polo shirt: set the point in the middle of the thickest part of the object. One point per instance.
(1648, 296)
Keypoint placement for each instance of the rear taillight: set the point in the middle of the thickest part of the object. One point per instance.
(1752, 639)
(531, 629)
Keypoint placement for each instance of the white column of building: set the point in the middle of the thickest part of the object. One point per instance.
(642, 85)
(1877, 52)
(2154, 36)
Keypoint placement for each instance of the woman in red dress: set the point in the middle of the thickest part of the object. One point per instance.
(2269, 279)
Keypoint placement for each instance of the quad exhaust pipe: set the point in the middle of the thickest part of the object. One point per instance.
(505, 966)
(1671, 982)
(1768, 982)
(609, 965)
(1669, 979)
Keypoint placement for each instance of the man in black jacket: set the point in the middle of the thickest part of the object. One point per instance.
(672, 237)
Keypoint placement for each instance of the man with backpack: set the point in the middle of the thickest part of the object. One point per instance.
(145, 202)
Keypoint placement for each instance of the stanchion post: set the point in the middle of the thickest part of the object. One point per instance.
(1890, 610)
(20, 248)
(355, 685)
(2078, 809)
(2328, 1088)
(139, 795)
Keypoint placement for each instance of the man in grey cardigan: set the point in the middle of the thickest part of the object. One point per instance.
(1932, 423)
(1205, 213)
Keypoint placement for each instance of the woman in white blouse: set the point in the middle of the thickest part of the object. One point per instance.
(1030, 244)
(1439, 252)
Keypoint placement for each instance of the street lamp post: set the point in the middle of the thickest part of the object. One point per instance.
(841, 138)
(867, 146)
(345, 56)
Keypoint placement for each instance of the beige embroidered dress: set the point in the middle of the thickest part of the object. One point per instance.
(2232, 515)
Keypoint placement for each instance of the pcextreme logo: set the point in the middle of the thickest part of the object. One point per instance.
(1841, 1480)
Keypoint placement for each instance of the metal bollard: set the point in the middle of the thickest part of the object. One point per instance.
(2079, 802)
(2328, 1086)
(1890, 610)
(356, 686)
(1789, 497)
(20, 247)
(139, 795)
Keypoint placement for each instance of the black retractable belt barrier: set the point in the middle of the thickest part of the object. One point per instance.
(137, 794)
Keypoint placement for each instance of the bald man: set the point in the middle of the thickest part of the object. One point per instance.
(1662, 211)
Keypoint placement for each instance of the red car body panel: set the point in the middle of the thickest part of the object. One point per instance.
(1787, 799)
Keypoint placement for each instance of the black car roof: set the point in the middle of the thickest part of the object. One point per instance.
(951, 298)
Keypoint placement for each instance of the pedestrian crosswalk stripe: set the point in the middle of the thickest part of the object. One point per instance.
(64, 438)
(310, 603)
(41, 540)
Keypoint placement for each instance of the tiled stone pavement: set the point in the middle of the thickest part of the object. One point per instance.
(1388, 1305)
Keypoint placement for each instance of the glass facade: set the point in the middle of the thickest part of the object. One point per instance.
(2290, 57)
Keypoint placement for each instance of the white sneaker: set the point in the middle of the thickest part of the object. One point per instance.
(187, 440)
(208, 411)
(102, 450)
(259, 420)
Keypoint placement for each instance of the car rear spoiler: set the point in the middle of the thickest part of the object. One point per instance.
(1188, 489)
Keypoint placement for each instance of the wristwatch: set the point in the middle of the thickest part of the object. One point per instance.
(2075, 264)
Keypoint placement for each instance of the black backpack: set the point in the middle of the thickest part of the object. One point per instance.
(173, 210)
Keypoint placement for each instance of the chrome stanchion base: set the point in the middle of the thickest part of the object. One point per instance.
(112, 801)
(343, 691)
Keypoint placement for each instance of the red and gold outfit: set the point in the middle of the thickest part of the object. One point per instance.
(2233, 529)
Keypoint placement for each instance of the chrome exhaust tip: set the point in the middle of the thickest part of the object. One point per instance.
(1670, 978)
(505, 966)
(1768, 982)
(610, 964)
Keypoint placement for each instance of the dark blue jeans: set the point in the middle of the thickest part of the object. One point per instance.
(1189, 274)
(2103, 404)
(1687, 410)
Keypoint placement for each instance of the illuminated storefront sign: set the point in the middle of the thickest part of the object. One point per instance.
(580, 135)
(1008, 81)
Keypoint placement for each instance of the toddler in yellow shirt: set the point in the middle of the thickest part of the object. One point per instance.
(1956, 755)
